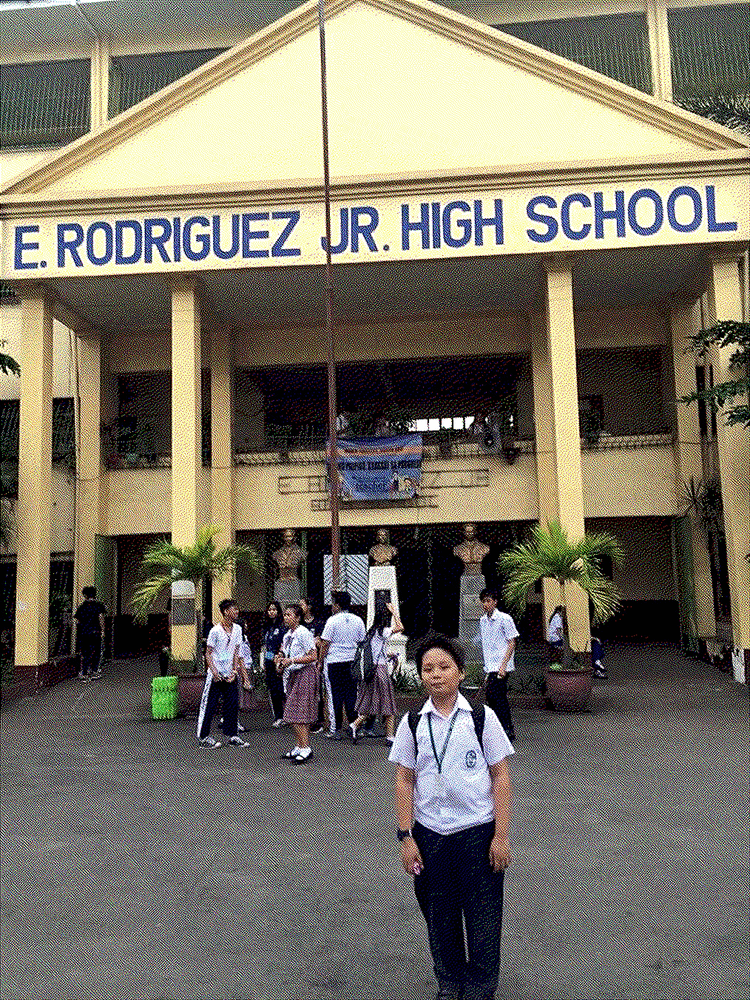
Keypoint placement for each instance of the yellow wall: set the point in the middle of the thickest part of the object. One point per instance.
(646, 573)
(630, 482)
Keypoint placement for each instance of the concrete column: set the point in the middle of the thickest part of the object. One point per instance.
(567, 504)
(659, 47)
(33, 509)
(222, 451)
(89, 459)
(725, 303)
(684, 322)
(544, 432)
(186, 433)
(100, 60)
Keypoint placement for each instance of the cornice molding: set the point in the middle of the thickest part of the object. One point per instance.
(732, 163)
(450, 25)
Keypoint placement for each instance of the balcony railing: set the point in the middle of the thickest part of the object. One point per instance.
(313, 452)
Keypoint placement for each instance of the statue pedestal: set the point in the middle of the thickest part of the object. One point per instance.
(384, 578)
(470, 612)
(287, 591)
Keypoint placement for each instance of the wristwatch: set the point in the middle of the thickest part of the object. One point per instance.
(403, 834)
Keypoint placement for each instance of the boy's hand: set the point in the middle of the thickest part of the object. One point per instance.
(247, 686)
(410, 855)
(499, 853)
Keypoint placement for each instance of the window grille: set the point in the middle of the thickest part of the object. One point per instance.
(134, 78)
(44, 104)
(613, 44)
(710, 50)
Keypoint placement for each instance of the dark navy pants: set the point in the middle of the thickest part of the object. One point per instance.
(275, 687)
(497, 699)
(459, 886)
(343, 692)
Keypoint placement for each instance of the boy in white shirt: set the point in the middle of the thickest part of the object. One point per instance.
(498, 634)
(224, 664)
(453, 811)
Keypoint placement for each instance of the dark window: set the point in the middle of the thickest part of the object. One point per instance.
(134, 78)
(709, 48)
(613, 44)
(44, 104)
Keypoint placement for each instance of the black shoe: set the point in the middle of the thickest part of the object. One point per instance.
(316, 728)
(299, 759)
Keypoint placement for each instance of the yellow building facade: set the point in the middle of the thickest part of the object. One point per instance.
(503, 220)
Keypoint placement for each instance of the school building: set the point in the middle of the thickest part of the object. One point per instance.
(528, 226)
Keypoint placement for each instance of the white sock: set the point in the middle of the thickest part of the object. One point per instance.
(304, 753)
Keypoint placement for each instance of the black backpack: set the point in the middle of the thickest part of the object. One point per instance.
(363, 667)
(477, 715)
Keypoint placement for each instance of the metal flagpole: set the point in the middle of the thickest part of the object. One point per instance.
(332, 402)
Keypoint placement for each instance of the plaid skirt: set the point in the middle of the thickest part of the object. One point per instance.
(302, 696)
(377, 697)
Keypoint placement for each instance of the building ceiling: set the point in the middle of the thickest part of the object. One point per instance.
(294, 296)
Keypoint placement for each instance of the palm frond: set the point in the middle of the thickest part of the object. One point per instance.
(549, 553)
(164, 563)
(147, 593)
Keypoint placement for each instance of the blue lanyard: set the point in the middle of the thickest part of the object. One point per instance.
(439, 759)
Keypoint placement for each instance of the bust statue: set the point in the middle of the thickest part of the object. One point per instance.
(289, 556)
(471, 551)
(382, 552)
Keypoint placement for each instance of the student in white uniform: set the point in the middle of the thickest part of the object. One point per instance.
(453, 811)
(338, 645)
(498, 634)
(224, 663)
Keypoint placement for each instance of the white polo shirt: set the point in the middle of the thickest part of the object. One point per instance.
(496, 631)
(466, 799)
(344, 631)
(223, 644)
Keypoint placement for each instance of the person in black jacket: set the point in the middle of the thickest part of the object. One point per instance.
(273, 633)
(90, 618)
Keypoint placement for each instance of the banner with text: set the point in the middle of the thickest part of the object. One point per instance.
(382, 468)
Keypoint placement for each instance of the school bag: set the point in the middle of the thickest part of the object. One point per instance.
(477, 715)
(363, 667)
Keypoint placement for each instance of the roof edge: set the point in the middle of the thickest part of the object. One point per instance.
(456, 27)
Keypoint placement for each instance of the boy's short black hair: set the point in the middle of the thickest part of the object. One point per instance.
(343, 598)
(297, 609)
(488, 592)
(226, 604)
(89, 592)
(452, 647)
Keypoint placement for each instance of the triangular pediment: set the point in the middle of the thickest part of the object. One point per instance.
(413, 89)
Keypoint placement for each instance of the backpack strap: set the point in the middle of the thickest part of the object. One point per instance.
(477, 716)
(413, 723)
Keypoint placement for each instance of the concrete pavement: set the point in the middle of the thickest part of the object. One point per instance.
(137, 865)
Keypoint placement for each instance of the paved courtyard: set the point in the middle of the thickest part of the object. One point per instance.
(137, 865)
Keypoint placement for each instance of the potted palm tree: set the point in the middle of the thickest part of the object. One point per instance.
(550, 554)
(164, 564)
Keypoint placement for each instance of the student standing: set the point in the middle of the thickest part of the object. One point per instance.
(90, 618)
(498, 634)
(338, 645)
(299, 656)
(378, 697)
(315, 625)
(555, 634)
(453, 811)
(272, 635)
(224, 664)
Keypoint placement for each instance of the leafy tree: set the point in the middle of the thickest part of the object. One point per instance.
(732, 395)
(8, 365)
(163, 563)
(730, 110)
(550, 554)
